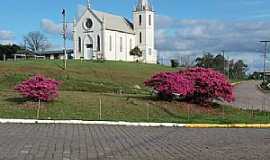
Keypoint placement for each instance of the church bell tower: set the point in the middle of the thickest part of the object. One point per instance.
(144, 27)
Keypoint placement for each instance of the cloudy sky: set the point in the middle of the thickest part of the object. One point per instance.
(183, 27)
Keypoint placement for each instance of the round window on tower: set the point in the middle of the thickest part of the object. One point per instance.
(89, 23)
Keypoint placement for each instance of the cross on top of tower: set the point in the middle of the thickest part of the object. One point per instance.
(88, 4)
(144, 5)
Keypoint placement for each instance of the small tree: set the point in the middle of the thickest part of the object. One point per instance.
(8, 51)
(136, 52)
(39, 88)
(36, 41)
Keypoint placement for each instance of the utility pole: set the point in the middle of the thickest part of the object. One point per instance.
(65, 37)
(228, 58)
(224, 62)
(264, 57)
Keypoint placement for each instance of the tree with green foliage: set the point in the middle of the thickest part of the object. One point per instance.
(136, 52)
(8, 51)
(206, 61)
(239, 69)
(235, 70)
(219, 62)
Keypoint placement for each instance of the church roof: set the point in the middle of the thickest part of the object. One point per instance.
(114, 22)
(144, 5)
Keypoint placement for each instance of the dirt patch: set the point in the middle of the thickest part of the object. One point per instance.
(198, 109)
(184, 107)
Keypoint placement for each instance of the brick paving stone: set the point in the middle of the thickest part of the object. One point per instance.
(94, 142)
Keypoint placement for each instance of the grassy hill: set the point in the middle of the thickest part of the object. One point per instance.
(90, 91)
(87, 76)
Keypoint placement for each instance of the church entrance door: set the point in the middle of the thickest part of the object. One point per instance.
(88, 48)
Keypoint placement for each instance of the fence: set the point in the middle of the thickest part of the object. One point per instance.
(132, 108)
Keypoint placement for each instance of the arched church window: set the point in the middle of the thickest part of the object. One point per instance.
(121, 44)
(130, 44)
(110, 43)
(140, 37)
(140, 19)
(80, 44)
(98, 43)
(150, 20)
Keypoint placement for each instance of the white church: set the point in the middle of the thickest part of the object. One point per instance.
(103, 35)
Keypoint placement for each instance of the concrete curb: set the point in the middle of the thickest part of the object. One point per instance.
(109, 123)
(80, 122)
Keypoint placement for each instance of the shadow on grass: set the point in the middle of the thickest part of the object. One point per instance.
(156, 102)
(18, 100)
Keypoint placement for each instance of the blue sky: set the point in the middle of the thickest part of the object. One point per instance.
(197, 25)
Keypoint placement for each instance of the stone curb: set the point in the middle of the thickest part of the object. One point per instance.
(109, 123)
(80, 122)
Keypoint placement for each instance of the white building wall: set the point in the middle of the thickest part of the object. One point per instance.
(51, 57)
(131, 44)
(110, 45)
(113, 49)
(146, 29)
(81, 31)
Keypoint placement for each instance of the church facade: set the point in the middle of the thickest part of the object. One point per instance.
(101, 35)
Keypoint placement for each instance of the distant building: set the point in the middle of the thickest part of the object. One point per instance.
(259, 75)
(103, 35)
(57, 54)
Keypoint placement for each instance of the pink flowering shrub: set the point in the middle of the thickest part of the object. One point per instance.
(39, 88)
(199, 85)
(169, 83)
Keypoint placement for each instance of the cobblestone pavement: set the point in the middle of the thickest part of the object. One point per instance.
(248, 96)
(90, 142)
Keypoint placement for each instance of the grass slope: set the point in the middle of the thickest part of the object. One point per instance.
(85, 84)
(87, 76)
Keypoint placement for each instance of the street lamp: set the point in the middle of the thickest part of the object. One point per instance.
(264, 56)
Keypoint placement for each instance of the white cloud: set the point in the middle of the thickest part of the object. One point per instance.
(53, 28)
(6, 37)
(80, 10)
(50, 27)
(190, 36)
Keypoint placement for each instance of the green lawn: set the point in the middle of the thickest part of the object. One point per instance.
(84, 85)
(134, 108)
(87, 76)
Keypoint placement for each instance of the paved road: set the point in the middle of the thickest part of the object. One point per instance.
(248, 96)
(87, 142)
